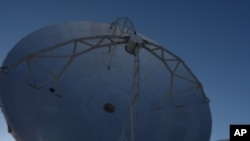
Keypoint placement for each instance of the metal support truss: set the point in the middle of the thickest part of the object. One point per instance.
(166, 57)
(122, 26)
(103, 41)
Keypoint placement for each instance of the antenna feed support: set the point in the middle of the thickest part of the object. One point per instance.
(134, 43)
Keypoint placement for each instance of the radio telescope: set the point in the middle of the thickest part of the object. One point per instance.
(93, 81)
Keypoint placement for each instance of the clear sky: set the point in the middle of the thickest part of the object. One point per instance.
(212, 37)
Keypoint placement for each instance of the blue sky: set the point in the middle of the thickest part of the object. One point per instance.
(212, 37)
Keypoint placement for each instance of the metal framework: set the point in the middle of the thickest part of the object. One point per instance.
(123, 34)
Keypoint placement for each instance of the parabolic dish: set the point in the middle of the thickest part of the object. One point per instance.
(87, 81)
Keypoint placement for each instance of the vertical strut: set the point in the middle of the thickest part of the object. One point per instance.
(123, 26)
(134, 105)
